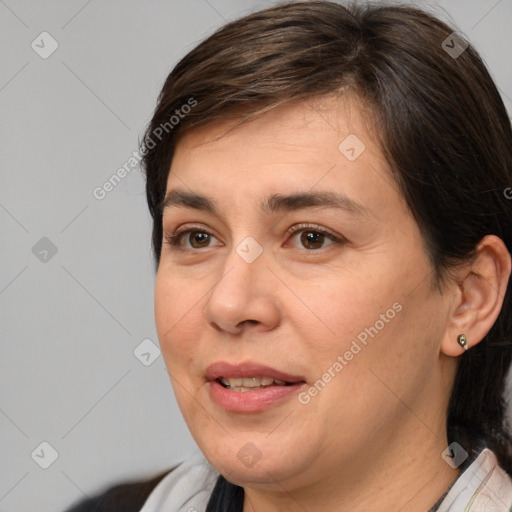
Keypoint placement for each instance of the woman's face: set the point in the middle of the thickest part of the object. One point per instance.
(296, 261)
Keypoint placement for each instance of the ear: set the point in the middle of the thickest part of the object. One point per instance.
(478, 298)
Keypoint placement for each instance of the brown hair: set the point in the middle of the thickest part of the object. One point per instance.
(443, 127)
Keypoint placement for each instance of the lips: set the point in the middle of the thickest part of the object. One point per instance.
(249, 387)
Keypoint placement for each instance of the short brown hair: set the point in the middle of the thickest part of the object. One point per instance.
(442, 125)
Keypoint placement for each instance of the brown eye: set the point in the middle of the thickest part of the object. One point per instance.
(198, 239)
(191, 239)
(312, 239)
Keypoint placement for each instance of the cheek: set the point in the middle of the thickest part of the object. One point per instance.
(386, 338)
(176, 317)
(346, 309)
(374, 317)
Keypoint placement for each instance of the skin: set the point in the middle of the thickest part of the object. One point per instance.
(375, 433)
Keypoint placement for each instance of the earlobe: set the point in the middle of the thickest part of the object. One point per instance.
(482, 285)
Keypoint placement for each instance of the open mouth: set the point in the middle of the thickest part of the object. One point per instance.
(243, 384)
(250, 387)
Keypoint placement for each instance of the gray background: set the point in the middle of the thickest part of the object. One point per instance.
(72, 320)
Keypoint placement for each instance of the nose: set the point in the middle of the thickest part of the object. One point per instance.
(243, 298)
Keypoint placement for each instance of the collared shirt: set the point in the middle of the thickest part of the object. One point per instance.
(194, 486)
(483, 486)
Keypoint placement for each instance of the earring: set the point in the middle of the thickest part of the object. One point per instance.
(462, 341)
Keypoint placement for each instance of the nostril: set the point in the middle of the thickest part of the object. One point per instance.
(248, 322)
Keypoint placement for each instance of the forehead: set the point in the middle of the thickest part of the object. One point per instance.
(325, 143)
(340, 114)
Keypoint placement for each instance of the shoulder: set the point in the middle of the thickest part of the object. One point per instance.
(168, 490)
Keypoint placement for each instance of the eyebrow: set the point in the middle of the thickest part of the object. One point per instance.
(273, 204)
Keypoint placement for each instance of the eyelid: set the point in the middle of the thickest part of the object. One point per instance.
(297, 228)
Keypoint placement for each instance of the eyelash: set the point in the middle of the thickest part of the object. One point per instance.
(175, 238)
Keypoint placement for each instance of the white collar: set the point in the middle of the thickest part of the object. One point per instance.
(483, 486)
(186, 488)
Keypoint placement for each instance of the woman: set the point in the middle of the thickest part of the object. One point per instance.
(332, 238)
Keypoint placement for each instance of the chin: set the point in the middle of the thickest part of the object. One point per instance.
(255, 460)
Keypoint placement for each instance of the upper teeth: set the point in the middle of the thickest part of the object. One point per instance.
(251, 382)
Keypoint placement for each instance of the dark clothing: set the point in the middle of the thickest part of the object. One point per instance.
(226, 497)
